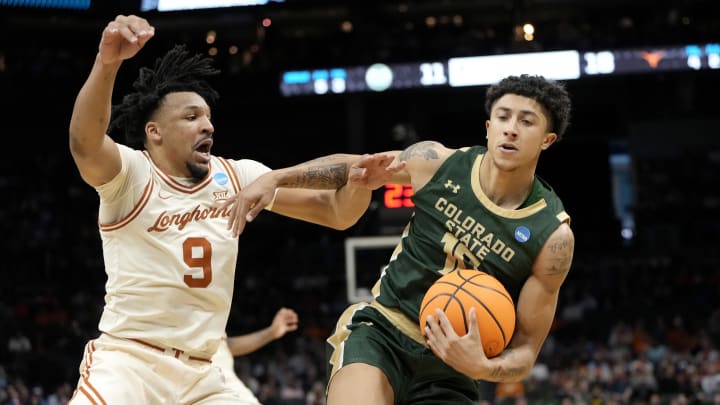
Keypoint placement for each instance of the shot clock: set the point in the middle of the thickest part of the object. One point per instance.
(397, 196)
(394, 207)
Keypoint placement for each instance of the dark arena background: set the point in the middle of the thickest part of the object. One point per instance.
(638, 321)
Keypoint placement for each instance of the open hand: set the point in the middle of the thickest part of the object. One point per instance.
(373, 171)
(247, 204)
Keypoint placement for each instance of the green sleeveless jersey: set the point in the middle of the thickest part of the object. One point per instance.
(455, 225)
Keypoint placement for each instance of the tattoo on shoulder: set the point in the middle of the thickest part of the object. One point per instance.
(561, 248)
(424, 149)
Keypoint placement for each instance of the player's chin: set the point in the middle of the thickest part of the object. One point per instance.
(198, 170)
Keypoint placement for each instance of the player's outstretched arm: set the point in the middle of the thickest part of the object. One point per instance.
(285, 320)
(316, 191)
(535, 312)
(95, 154)
(344, 206)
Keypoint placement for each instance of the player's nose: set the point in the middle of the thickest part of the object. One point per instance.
(510, 127)
(208, 127)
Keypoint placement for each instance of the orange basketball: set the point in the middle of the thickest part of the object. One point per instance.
(455, 293)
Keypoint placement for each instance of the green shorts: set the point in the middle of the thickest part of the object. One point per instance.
(417, 376)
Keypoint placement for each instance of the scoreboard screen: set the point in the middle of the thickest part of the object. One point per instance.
(485, 70)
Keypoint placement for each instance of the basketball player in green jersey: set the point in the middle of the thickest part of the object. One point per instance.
(479, 207)
(169, 257)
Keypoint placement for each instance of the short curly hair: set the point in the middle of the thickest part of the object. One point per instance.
(551, 95)
(175, 71)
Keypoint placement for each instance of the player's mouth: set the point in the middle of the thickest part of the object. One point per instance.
(508, 147)
(202, 149)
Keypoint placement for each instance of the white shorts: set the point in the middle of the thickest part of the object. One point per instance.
(121, 371)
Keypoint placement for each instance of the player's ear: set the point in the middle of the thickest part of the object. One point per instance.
(550, 139)
(152, 131)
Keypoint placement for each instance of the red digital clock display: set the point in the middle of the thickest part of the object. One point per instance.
(398, 196)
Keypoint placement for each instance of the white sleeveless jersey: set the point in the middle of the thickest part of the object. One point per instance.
(169, 257)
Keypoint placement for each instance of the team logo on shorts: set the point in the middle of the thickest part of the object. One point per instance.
(522, 234)
(221, 178)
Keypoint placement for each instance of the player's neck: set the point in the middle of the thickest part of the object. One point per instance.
(166, 166)
(505, 188)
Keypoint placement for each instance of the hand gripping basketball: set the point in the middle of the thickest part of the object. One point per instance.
(456, 292)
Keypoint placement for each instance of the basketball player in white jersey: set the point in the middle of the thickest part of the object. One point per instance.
(285, 320)
(169, 256)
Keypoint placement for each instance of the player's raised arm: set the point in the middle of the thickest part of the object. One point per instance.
(95, 154)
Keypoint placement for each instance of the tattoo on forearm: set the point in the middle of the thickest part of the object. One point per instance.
(425, 149)
(321, 177)
(501, 372)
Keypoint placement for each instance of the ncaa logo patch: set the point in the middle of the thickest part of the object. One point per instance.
(221, 178)
(522, 234)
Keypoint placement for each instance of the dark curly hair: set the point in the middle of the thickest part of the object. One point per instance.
(175, 71)
(551, 95)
